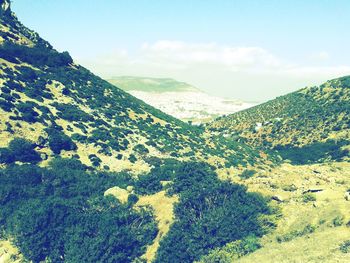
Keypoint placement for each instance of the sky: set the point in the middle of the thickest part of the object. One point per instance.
(243, 49)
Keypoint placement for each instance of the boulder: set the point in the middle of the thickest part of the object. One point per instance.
(277, 198)
(347, 195)
(119, 193)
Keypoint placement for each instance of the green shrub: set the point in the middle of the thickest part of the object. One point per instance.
(27, 111)
(132, 158)
(148, 184)
(71, 112)
(345, 246)
(314, 153)
(289, 188)
(308, 197)
(247, 174)
(59, 141)
(95, 160)
(338, 221)
(19, 150)
(308, 229)
(232, 251)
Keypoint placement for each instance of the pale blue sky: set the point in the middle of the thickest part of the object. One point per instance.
(252, 50)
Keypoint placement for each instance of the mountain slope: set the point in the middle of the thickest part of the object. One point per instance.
(179, 99)
(46, 96)
(306, 117)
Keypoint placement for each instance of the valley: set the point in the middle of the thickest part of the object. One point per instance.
(116, 171)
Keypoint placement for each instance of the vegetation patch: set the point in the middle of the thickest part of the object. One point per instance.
(345, 246)
(37, 56)
(314, 153)
(308, 229)
(19, 150)
(232, 251)
(59, 214)
(210, 214)
(308, 197)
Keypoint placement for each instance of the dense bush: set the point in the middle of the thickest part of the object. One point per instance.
(210, 214)
(37, 56)
(19, 150)
(59, 141)
(132, 158)
(27, 111)
(59, 214)
(141, 149)
(95, 160)
(148, 184)
(314, 152)
(71, 113)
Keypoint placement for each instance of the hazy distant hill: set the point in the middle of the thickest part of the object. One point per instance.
(179, 99)
(151, 84)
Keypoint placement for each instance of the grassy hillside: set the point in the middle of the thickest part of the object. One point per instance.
(150, 84)
(315, 118)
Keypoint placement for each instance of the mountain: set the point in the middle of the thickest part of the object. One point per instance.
(89, 173)
(305, 119)
(129, 83)
(178, 99)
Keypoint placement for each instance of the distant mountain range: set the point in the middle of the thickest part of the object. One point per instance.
(179, 99)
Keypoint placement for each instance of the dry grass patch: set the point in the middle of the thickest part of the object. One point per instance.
(163, 207)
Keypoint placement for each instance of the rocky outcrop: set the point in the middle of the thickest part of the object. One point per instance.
(347, 195)
(5, 7)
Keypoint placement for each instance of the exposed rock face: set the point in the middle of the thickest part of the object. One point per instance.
(347, 195)
(4, 7)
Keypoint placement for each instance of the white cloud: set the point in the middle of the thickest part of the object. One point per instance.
(208, 53)
(236, 71)
(322, 55)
